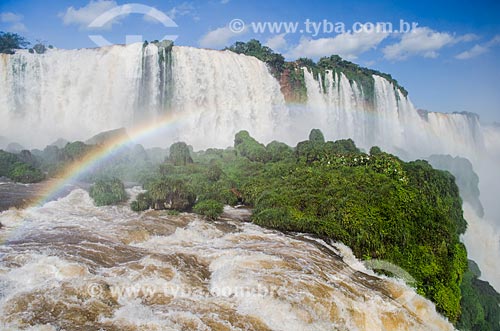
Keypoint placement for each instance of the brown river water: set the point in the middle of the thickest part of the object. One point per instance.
(69, 265)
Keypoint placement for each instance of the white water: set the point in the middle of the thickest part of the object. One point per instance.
(77, 93)
(222, 93)
(69, 264)
(395, 125)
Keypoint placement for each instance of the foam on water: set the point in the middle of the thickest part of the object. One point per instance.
(77, 264)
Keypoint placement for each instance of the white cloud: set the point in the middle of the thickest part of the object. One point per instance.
(423, 42)
(347, 45)
(18, 27)
(85, 15)
(468, 37)
(219, 37)
(277, 42)
(184, 9)
(477, 49)
(473, 52)
(223, 2)
(15, 22)
(494, 41)
(8, 17)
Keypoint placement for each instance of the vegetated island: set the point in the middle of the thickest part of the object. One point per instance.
(407, 213)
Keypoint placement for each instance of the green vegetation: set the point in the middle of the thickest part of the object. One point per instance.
(14, 166)
(24, 173)
(108, 191)
(170, 193)
(210, 208)
(250, 148)
(467, 180)
(75, 150)
(291, 75)
(40, 48)
(141, 203)
(404, 212)
(254, 48)
(179, 154)
(11, 41)
(480, 303)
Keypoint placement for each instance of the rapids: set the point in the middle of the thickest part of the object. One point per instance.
(77, 93)
(69, 265)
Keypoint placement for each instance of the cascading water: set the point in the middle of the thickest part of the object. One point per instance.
(342, 110)
(75, 94)
(73, 266)
(394, 124)
(78, 93)
(222, 93)
(68, 93)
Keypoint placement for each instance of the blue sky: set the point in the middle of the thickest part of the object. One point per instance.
(450, 62)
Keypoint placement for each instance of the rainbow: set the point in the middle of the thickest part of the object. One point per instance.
(74, 170)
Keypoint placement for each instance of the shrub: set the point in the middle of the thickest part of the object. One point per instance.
(108, 192)
(278, 151)
(214, 172)
(75, 150)
(13, 167)
(179, 154)
(171, 193)
(141, 203)
(25, 173)
(250, 148)
(316, 136)
(209, 208)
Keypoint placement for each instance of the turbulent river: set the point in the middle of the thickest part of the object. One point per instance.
(68, 265)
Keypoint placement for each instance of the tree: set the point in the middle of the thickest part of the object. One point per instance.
(214, 172)
(250, 148)
(25, 173)
(75, 150)
(254, 48)
(344, 146)
(11, 41)
(13, 167)
(40, 47)
(179, 154)
(316, 136)
(171, 193)
(278, 151)
(375, 150)
(108, 191)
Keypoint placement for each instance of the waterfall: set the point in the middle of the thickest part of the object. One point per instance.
(68, 93)
(75, 94)
(393, 123)
(221, 93)
(335, 106)
(78, 93)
